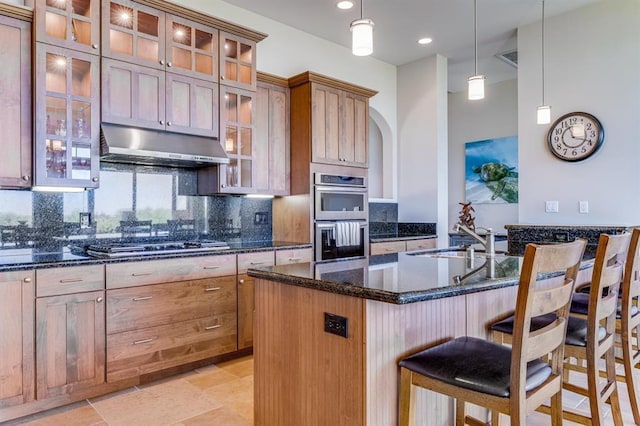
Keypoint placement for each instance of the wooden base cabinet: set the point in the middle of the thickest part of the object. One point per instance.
(16, 338)
(70, 352)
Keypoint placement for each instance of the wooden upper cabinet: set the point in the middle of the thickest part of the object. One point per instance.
(237, 61)
(70, 348)
(17, 343)
(329, 121)
(192, 106)
(134, 33)
(271, 143)
(74, 24)
(15, 99)
(67, 94)
(192, 48)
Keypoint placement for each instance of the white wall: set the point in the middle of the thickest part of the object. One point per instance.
(592, 58)
(492, 117)
(422, 146)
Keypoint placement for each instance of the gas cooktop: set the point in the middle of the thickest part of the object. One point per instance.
(142, 249)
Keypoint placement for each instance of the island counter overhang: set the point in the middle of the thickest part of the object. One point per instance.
(305, 375)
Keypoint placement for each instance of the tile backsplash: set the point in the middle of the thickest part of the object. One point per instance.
(383, 221)
(132, 202)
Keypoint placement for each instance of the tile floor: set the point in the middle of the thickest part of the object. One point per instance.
(219, 394)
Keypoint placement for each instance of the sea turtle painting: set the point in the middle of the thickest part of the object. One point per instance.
(500, 179)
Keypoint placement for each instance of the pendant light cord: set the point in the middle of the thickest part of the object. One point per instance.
(475, 33)
(543, 52)
(362, 9)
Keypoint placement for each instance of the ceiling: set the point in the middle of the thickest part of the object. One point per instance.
(400, 23)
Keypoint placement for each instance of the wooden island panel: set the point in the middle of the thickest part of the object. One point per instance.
(305, 376)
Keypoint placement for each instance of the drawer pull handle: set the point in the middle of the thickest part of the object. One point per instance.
(139, 299)
(211, 267)
(71, 280)
(141, 274)
(212, 289)
(140, 342)
(295, 259)
(257, 263)
(241, 281)
(99, 299)
(213, 327)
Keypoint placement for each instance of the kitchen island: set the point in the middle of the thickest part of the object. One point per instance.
(328, 336)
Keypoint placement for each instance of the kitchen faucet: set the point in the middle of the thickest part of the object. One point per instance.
(489, 242)
(489, 265)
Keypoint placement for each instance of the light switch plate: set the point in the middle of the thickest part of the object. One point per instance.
(584, 207)
(551, 207)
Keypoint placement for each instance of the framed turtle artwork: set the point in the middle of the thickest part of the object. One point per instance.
(491, 171)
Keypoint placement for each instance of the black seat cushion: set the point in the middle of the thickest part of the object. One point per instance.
(580, 304)
(475, 364)
(576, 328)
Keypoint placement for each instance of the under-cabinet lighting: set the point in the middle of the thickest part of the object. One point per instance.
(258, 196)
(56, 189)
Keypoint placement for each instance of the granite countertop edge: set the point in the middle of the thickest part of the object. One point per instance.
(383, 239)
(88, 260)
(382, 295)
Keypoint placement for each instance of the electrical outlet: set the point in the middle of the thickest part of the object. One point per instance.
(335, 324)
(584, 207)
(551, 207)
(85, 220)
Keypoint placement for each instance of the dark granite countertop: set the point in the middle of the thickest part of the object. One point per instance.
(16, 259)
(380, 238)
(401, 278)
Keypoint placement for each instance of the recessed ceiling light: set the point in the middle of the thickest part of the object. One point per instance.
(425, 40)
(344, 4)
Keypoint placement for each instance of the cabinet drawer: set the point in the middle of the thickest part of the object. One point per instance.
(386, 248)
(138, 352)
(422, 244)
(147, 306)
(286, 257)
(57, 281)
(252, 260)
(169, 270)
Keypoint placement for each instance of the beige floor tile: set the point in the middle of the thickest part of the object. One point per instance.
(222, 416)
(241, 367)
(185, 375)
(79, 414)
(113, 394)
(211, 378)
(237, 390)
(159, 404)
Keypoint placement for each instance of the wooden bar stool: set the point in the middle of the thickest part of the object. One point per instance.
(513, 380)
(590, 339)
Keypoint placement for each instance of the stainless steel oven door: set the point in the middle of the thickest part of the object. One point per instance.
(328, 245)
(340, 203)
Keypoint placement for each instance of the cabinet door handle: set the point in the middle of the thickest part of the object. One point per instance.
(213, 327)
(94, 45)
(212, 289)
(99, 299)
(162, 122)
(169, 64)
(257, 263)
(27, 280)
(141, 274)
(161, 61)
(211, 267)
(25, 178)
(140, 299)
(95, 179)
(222, 77)
(140, 342)
(71, 280)
(168, 123)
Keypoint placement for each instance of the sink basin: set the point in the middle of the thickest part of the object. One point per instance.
(450, 253)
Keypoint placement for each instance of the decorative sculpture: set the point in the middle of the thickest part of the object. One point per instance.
(465, 216)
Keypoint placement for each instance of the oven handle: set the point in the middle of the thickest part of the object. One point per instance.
(355, 190)
(333, 225)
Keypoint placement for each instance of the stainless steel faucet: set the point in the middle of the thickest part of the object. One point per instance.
(489, 241)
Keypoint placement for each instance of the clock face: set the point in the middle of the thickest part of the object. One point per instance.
(575, 136)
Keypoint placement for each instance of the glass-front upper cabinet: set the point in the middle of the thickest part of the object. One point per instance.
(67, 123)
(192, 49)
(133, 33)
(238, 61)
(237, 127)
(73, 24)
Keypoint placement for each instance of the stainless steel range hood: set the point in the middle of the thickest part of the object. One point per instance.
(122, 144)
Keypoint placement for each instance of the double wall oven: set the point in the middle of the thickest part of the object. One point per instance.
(341, 216)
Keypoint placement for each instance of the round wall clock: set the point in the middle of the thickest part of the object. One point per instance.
(575, 136)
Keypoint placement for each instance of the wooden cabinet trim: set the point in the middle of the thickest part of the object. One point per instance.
(16, 11)
(312, 77)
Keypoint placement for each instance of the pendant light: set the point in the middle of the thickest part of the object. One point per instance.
(362, 35)
(543, 111)
(476, 81)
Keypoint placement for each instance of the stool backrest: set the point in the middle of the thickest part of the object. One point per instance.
(608, 266)
(631, 278)
(534, 300)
